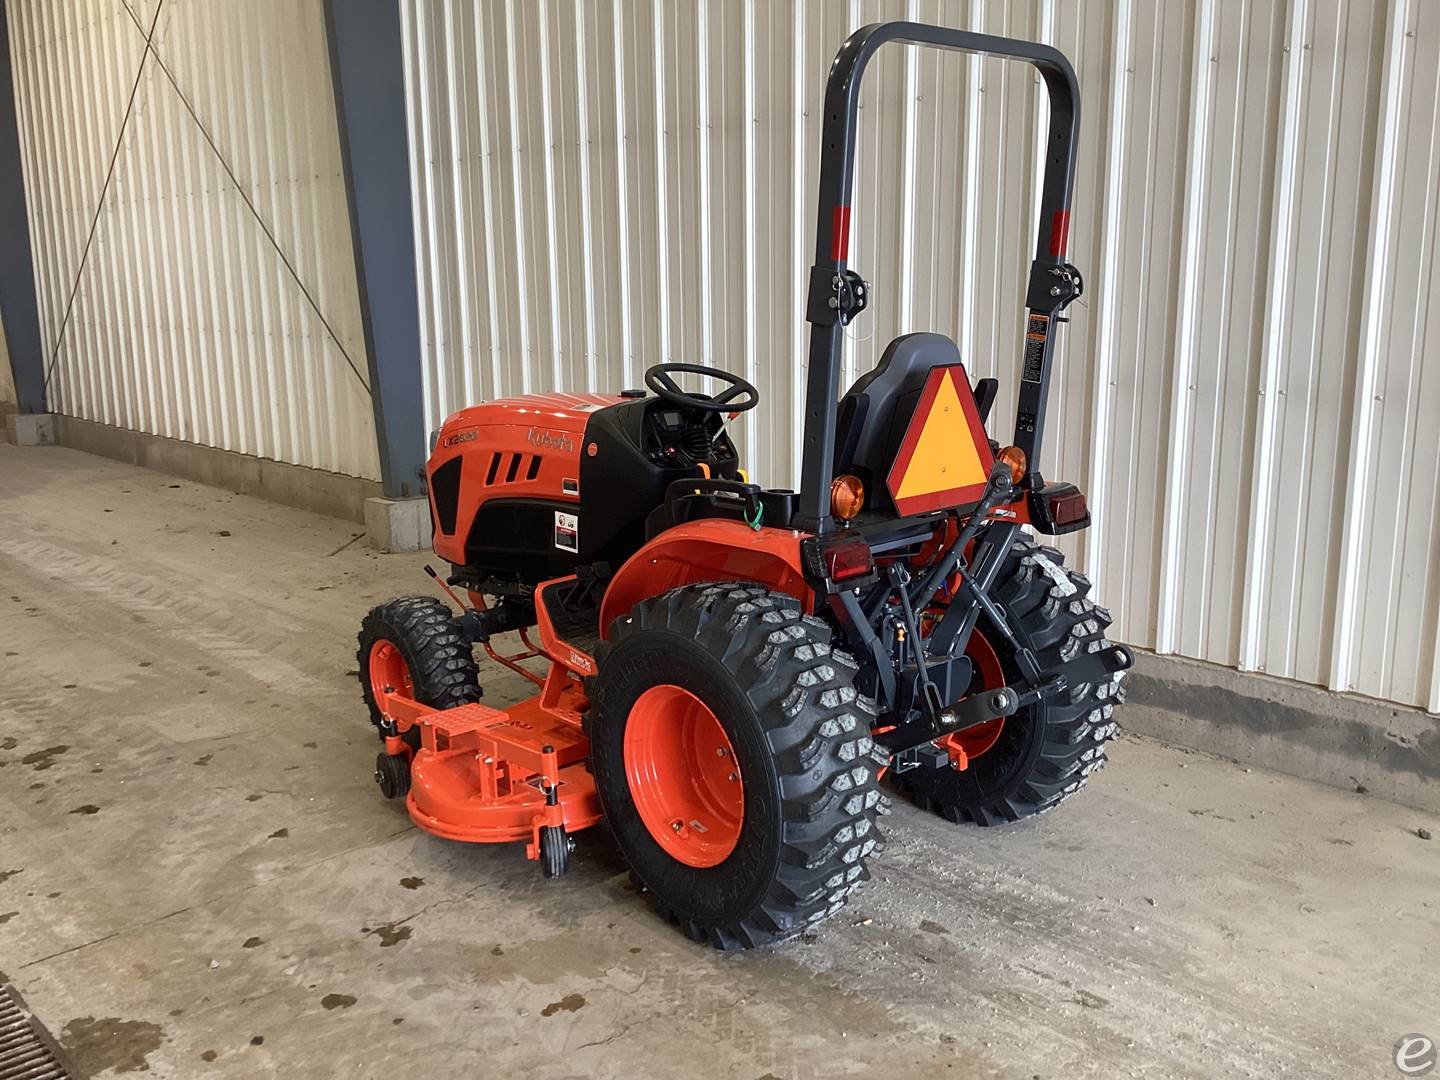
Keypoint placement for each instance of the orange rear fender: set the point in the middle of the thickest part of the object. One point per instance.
(712, 549)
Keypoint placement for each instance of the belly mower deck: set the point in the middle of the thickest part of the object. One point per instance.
(487, 775)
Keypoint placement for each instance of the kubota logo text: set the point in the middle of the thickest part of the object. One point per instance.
(550, 440)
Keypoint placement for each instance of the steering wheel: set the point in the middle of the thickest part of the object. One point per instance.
(658, 379)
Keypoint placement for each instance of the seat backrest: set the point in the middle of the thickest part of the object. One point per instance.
(875, 412)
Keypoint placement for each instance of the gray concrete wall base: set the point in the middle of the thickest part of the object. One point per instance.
(397, 524)
(1344, 740)
(293, 485)
(7, 410)
(30, 429)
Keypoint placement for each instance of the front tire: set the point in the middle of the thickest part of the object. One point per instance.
(412, 645)
(733, 760)
(1046, 752)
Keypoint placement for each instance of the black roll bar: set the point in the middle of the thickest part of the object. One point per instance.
(834, 291)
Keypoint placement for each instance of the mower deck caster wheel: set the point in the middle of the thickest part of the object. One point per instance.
(392, 773)
(555, 849)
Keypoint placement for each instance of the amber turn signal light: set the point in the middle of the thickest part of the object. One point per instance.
(1014, 457)
(847, 496)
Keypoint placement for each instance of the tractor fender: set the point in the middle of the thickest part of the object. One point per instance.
(711, 549)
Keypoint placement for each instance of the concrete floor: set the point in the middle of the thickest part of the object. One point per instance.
(197, 876)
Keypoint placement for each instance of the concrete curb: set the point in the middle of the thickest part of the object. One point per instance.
(293, 485)
(1343, 740)
(30, 429)
(398, 524)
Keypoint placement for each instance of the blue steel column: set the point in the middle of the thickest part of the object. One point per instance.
(17, 268)
(368, 71)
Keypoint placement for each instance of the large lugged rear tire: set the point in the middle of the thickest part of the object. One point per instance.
(414, 640)
(1046, 752)
(734, 674)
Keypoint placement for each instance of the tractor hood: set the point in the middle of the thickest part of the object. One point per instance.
(551, 423)
(520, 448)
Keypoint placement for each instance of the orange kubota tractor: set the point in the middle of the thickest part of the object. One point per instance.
(730, 669)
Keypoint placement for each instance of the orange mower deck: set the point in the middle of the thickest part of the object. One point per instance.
(492, 776)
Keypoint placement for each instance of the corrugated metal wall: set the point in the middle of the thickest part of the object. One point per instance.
(604, 184)
(209, 295)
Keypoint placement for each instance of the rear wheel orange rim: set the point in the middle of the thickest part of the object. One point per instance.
(389, 674)
(989, 675)
(683, 776)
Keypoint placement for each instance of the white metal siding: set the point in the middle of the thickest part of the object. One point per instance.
(604, 184)
(186, 321)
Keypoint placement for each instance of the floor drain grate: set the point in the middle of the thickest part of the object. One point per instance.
(26, 1050)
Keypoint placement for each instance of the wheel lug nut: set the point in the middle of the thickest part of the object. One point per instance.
(734, 776)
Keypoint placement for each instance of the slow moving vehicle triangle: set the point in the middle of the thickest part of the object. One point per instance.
(945, 457)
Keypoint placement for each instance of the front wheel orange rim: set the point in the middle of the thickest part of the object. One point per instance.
(389, 674)
(683, 776)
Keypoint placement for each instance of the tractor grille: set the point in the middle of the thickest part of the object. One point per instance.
(505, 467)
(26, 1050)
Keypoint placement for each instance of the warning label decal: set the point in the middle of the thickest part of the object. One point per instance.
(567, 531)
(1035, 332)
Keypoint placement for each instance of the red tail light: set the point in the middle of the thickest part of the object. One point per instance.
(847, 558)
(1068, 508)
(1059, 508)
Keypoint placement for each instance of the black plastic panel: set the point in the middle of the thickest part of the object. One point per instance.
(445, 494)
